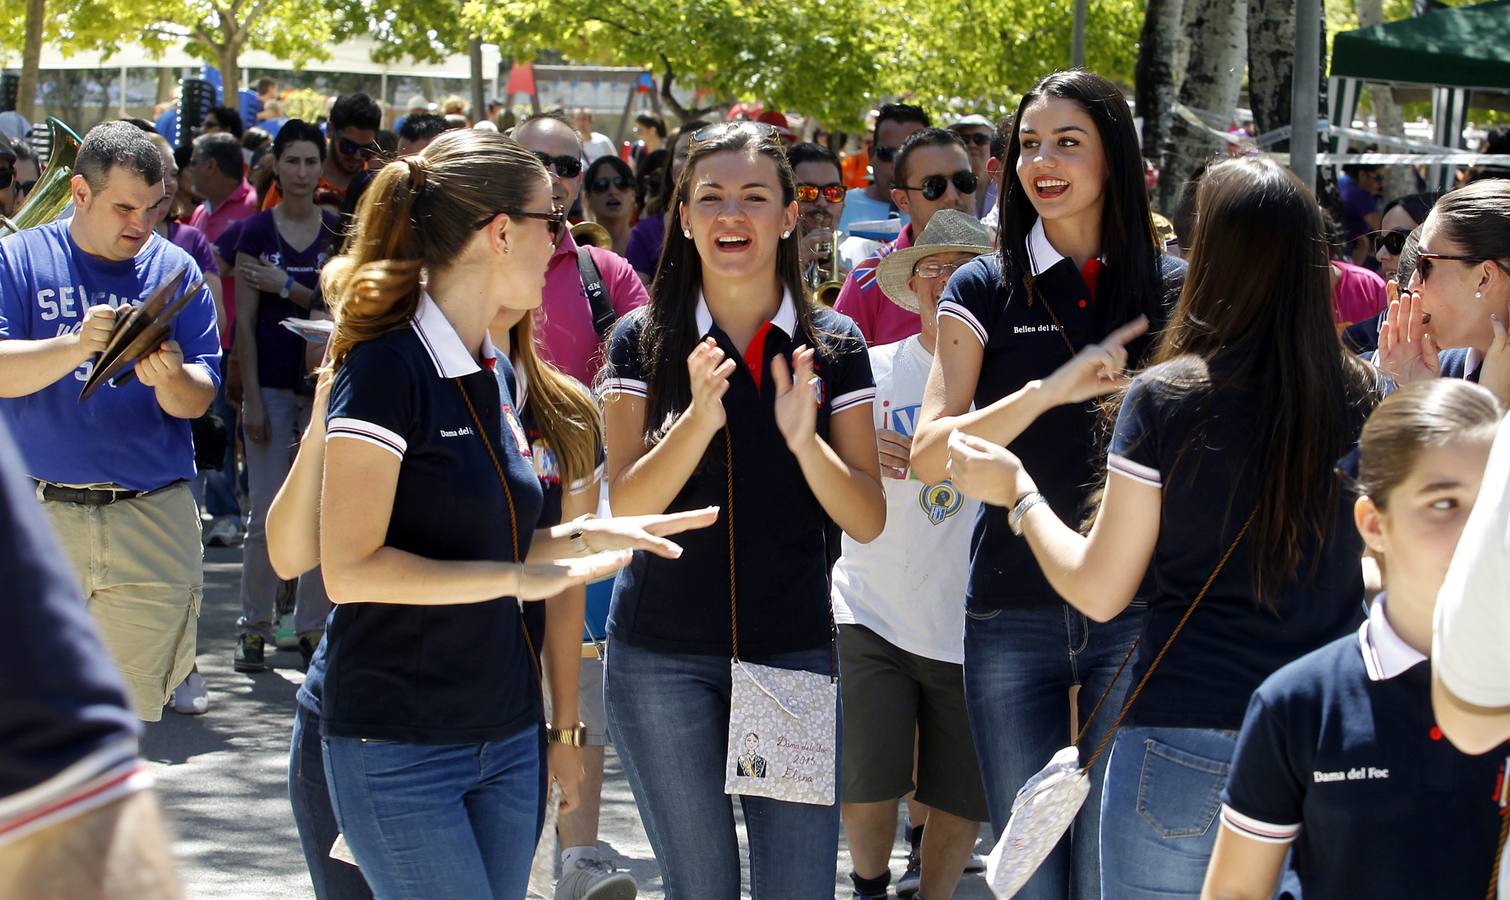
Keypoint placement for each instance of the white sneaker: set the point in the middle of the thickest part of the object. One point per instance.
(225, 531)
(191, 698)
(595, 879)
(977, 863)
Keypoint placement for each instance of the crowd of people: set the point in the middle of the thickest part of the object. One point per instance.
(1006, 459)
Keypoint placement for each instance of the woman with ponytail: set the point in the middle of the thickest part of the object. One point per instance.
(428, 682)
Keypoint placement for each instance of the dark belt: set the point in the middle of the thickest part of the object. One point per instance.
(94, 496)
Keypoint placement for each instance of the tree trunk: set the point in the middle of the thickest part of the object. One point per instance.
(228, 56)
(1183, 41)
(31, 59)
(1271, 58)
(1156, 75)
(1210, 84)
(474, 58)
(1398, 180)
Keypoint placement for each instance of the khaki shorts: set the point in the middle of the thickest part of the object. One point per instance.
(142, 568)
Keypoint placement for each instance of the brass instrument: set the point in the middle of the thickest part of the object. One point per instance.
(591, 234)
(50, 196)
(822, 273)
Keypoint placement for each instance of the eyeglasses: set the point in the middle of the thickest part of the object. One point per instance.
(932, 270)
(565, 166)
(603, 183)
(1392, 240)
(723, 129)
(555, 221)
(934, 186)
(886, 154)
(976, 138)
(1424, 261)
(352, 148)
(809, 193)
(6, 177)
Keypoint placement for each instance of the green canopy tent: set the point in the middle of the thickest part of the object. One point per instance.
(1453, 52)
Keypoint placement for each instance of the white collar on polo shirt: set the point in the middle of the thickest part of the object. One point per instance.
(1041, 254)
(1385, 654)
(786, 315)
(441, 342)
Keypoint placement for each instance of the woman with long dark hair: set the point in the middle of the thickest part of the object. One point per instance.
(1078, 260)
(1455, 319)
(1221, 486)
(429, 683)
(731, 388)
(608, 192)
(648, 238)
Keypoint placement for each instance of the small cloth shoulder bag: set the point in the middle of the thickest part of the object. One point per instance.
(782, 732)
(1050, 800)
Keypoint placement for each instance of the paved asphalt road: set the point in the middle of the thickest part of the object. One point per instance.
(222, 776)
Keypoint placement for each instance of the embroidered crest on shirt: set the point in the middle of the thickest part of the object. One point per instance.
(940, 501)
(520, 441)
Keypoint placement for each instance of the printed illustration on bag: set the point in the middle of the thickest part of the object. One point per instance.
(751, 763)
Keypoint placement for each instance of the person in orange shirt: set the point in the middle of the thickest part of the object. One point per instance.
(352, 133)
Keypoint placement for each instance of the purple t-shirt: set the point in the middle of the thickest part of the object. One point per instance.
(1357, 205)
(280, 352)
(645, 243)
(193, 242)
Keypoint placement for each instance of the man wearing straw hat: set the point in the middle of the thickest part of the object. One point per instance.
(899, 605)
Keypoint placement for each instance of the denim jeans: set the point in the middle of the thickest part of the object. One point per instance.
(316, 821)
(1019, 667)
(267, 465)
(668, 716)
(440, 821)
(219, 488)
(1159, 810)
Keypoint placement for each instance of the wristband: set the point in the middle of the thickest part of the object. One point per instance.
(1020, 508)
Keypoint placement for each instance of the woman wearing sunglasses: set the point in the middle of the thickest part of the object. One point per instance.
(731, 383)
(1459, 297)
(609, 194)
(1077, 261)
(430, 696)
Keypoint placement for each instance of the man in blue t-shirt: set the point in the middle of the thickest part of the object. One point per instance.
(112, 470)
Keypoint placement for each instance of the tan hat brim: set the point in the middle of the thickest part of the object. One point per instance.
(895, 270)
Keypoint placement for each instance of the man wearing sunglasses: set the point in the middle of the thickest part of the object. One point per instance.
(932, 173)
(894, 124)
(820, 204)
(352, 130)
(586, 290)
(977, 131)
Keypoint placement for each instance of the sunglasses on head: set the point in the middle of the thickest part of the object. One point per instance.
(565, 166)
(809, 193)
(886, 154)
(976, 138)
(352, 148)
(934, 186)
(723, 129)
(555, 221)
(604, 182)
(1393, 241)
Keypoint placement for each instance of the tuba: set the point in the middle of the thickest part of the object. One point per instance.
(591, 234)
(50, 196)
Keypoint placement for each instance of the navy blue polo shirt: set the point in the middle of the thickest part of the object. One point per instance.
(1341, 756)
(434, 674)
(781, 563)
(67, 734)
(1203, 448)
(1023, 343)
(1461, 362)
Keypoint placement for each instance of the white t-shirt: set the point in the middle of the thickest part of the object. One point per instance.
(1471, 647)
(908, 585)
(599, 145)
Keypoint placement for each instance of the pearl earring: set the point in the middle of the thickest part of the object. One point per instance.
(1478, 295)
(785, 235)
(686, 232)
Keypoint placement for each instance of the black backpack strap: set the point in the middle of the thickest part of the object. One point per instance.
(603, 315)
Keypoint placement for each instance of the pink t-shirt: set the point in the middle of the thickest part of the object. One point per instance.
(1359, 294)
(861, 298)
(563, 323)
(239, 205)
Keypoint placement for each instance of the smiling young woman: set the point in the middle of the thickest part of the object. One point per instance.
(732, 388)
(1077, 261)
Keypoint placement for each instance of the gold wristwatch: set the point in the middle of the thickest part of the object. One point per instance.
(574, 736)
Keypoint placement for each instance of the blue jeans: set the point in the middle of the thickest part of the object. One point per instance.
(668, 716)
(1019, 667)
(439, 822)
(220, 484)
(1159, 810)
(316, 821)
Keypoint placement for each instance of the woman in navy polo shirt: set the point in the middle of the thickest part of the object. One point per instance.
(699, 376)
(1340, 760)
(1228, 441)
(1459, 295)
(431, 710)
(1077, 261)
